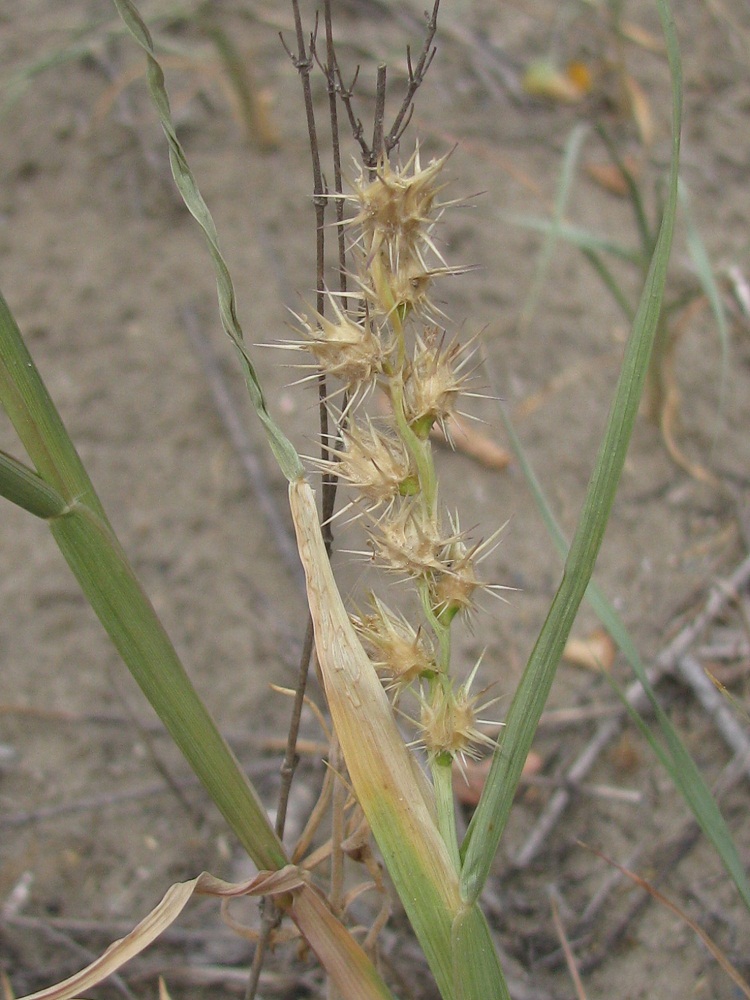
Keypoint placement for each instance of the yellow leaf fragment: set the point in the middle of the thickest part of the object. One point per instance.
(469, 779)
(544, 79)
(641, 36)
(390, 787)
(464, 438)
(597, 652)
(639, 107)
(610, 177)
(377, 759)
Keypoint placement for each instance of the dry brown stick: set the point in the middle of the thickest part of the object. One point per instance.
(282, 984)
(330, 71)
(611, 880)
(635, 695)
(117, 928)
(677, 847)
(416, 77)
(256, 768)
(303, 61)
(61, 940)
(95, 802)
(628, 795)
(692, 672)
(570, 958)
(148, 739)
(558, 718)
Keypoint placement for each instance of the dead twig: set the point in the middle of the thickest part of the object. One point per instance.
(570, 958)
(717, 708)
(635, 695)
(663, 858)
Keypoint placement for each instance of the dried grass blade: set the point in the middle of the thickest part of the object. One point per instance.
(381, 769)
(344, 959)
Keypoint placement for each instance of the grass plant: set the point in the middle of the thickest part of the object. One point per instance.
(661, 395)
(377, 331)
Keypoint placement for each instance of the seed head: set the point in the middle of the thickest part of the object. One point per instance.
(401, 285)
(452, 589)
(349, 349)
(434, 381)
(401, 654)
(397, 213)
(407, 539)
(376, 464)
(396, 208)
(448, 722)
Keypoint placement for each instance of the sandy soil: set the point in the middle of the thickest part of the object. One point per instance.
(105, 273)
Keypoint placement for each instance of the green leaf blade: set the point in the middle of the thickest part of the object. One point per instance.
(491, 815)
(282, 448)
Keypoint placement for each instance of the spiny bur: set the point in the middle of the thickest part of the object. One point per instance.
(389, 340)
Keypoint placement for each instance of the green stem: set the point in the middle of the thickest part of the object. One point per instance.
(87, 541)
(441, 630)
(420, 450)
(25, 488)
(442, 780)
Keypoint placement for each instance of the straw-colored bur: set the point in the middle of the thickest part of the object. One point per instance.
(434, 381)
(396, 214)
(401, 654)
(448, 724)
(452, 590)
(348, 349)
(396, 208)
(377, 464)
(407, 539)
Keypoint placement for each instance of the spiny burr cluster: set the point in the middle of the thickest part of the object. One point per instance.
(385, 336)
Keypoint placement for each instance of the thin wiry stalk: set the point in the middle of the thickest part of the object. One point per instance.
(303, 62)
(270, 915)
(384, 143)
(291, 756)
(269, 920)
(332, 75)
(416, 76)
(355, 123)
(377, 133)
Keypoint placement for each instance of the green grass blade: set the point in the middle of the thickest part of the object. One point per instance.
(86, 539)
(286, 456)
(609, 281)
(553, 232)
(14, 87)
(634, 193)
(478, 975)
(491, 815)
(112, 589)
(26, 489)
(583, 239)
(674, 756)
(705, 273)
(37, 422)
(676, 759)
(678, 762)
